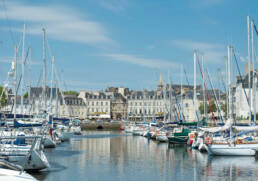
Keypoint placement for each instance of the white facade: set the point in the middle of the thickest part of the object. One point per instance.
(149, 107)
(98, 104)
(241, 104)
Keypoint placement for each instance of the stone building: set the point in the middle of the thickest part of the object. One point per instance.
(98, 104)
(118, 107)
(72, 106)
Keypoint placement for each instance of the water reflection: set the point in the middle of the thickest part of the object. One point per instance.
(115, 156)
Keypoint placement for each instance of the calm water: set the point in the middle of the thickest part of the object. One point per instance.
(110, 156)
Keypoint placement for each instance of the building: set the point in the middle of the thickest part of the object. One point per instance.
(73, 107)
(119, 106)
(98, 104)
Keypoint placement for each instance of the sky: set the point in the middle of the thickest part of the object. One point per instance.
(128, 43)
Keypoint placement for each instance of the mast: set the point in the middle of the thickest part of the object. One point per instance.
(204, 97)
(164, 101)
(169, 97)
(255, 80)
(181, 91)
(57, 96)
(23, 64)
(44, 68)
(143, 119)
(15, 79)
(254, 74)
(227, 103)
(231, 80)
(229, 84)
(249, 68)
(29, 80)
(195, 58)
(51, 83)
(215, 96)
(219, 73)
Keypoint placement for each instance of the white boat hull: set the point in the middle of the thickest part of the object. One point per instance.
(203, 147)
(48, 142)
(13, 175)
(161, 138)
(233, 150)
(65, 136)
(35, 161)
(76, 130)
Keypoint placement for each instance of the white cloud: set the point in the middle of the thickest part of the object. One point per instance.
(19, 61)
(213, 52)
(84, 84)
(144, 62)
(61, 22)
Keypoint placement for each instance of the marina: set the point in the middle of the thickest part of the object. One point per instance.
(109, 155)
(110, 90)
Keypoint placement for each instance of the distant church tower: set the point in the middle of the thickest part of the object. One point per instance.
(160, 85)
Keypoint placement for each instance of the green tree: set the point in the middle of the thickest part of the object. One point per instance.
(26, 95)
(201, 108)
(213, 106)
(71, 93)
(3, 99)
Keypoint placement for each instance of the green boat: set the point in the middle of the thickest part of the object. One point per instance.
(179, 137)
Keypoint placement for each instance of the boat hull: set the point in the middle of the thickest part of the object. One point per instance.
(178, 139)
(162, 138)
(48, 142)
(233, 150)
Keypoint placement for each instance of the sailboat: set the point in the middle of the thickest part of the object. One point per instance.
(12, 172)
(31, 157)
(235, 145)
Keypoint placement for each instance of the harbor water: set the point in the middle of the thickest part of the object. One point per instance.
(109, 156)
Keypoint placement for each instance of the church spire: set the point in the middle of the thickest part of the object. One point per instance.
(160, 85)
(160, 79)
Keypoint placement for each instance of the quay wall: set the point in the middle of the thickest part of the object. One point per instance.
(105, 126)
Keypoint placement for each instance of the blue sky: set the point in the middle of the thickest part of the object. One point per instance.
(100, 43)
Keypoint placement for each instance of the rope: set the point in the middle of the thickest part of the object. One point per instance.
(207, 93)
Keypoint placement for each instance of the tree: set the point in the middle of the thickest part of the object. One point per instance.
(71, 93)
(201, 108)
(3, 99)
(213, 106)
(26, 95)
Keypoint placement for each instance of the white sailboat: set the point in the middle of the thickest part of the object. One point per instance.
(14, 175)
(231, 146)
(12, 172)
(31, 157)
